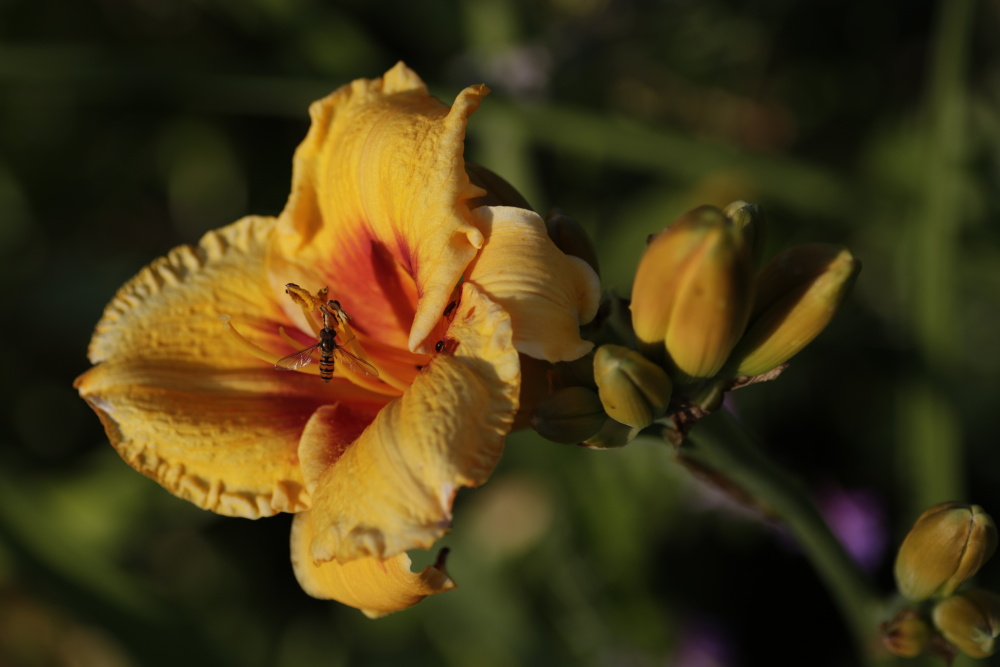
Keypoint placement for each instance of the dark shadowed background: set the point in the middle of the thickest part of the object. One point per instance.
(130, 126)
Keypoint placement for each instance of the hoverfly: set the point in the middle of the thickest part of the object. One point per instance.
(330, 351)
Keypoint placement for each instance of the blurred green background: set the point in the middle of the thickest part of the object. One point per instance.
(131, 126)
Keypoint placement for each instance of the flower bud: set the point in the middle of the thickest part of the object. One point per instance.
(570, 237)
(569, 415)
(907, 635)
(970, 621)
(633, 389)
(795, 296)
(946, 546)
(692, 292)
(750, 220)
(612, 434)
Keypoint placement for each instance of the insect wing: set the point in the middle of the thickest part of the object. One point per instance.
(296, 360)
(353, 363)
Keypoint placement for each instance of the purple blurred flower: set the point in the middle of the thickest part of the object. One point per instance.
(857, 518)
(703, 643)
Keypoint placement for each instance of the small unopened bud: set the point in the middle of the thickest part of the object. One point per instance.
(970, 621)
(569, 415)
(613, 434)
(750, 220)
(907, 635)
(946, 546)
(570, 237)
(633, 389)
(692, 292)
(796, 295)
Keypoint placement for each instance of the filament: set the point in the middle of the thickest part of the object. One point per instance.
(256, 350)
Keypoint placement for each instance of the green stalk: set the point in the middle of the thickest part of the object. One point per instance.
(723, 444)
(930, 429)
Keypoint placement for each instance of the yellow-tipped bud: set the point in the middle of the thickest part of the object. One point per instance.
(970, 621)
(570, 237)
(633, 389)
(907, 635)
(796, 295)
(692, 292)
(750, 220)
(569, 415)
(946, 546)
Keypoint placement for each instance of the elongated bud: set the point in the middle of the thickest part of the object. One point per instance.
(633, 389)
(970, 621)
(907, 635)
(659, 270)
(796, 295)
(570, 237)
(569, 415)
(750, 220)
(946, 546)
(692, 292)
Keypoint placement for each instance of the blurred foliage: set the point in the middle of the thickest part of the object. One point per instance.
(131, 126)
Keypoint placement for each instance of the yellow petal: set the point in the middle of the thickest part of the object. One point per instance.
(392, 489)
(186, 406)
(379, 205)
(377, 587)
(547, 293)
(170, 310)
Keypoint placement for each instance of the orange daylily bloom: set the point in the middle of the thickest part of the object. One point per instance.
(443, 298)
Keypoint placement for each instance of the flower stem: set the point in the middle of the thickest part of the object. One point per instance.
(723, 444)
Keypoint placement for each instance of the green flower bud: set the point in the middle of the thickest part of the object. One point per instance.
(612, 434)
(907, 635)
(570, 237)
(946, 546)
(970, 621)
(796, 295)
(633, 389)
(569, 415)
(692, 293)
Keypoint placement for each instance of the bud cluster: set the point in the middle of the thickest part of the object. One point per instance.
(697, 305)
(946, 547)
(701, 321)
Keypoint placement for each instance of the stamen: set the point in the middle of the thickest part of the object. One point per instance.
(288, 339)
(256, 350)
(307, 302)
(380, 384)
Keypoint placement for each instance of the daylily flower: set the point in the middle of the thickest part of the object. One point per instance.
(442, 298)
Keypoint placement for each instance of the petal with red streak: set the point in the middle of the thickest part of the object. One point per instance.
(185, 405)
(391, 490)
(379, 205)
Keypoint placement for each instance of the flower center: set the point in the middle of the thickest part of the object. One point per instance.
(336, 346)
